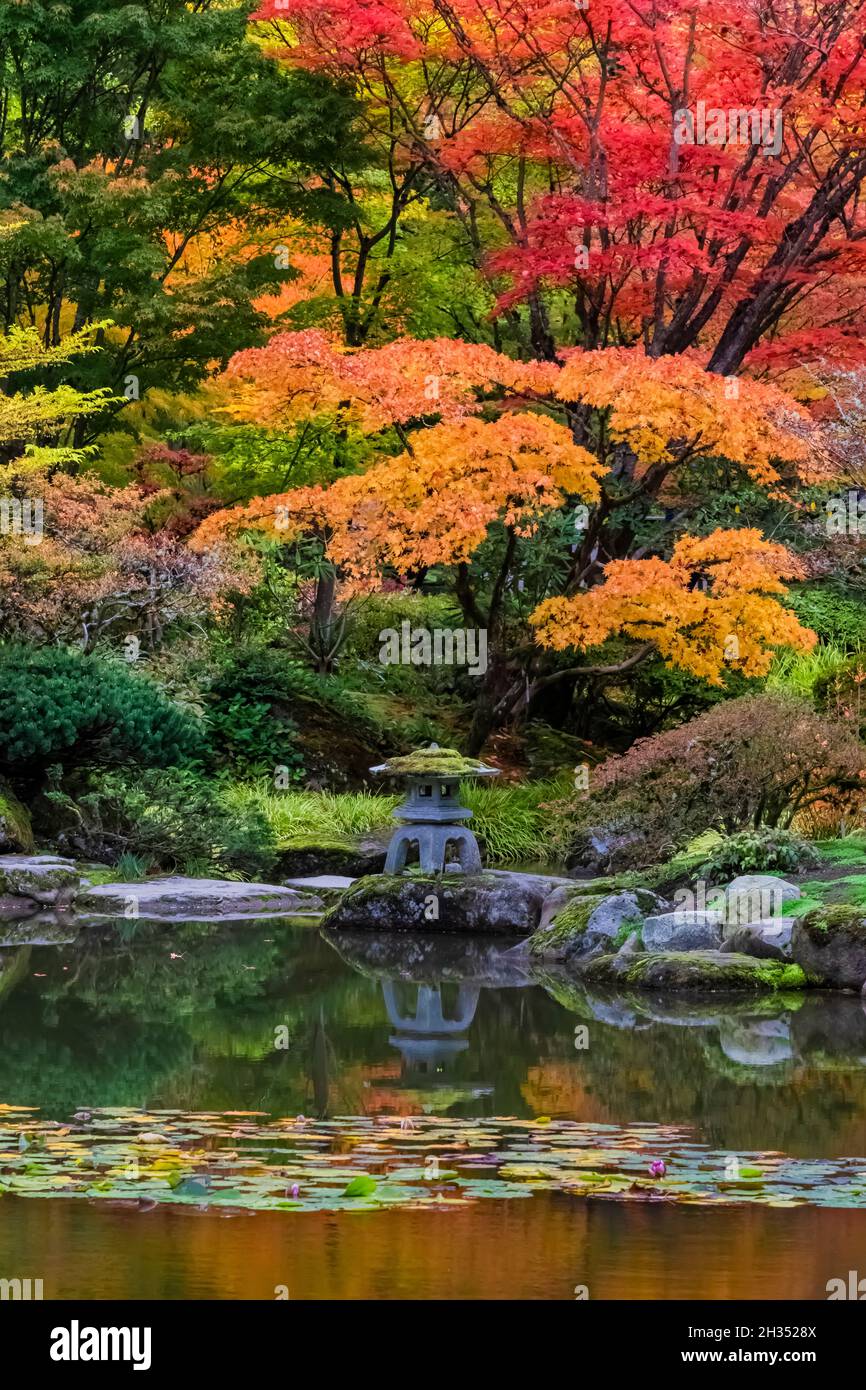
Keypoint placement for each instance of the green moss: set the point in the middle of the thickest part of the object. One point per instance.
(630, 926)
(849, 891)
(851, 849)
(16, 820)
(783, 975)
(832, 918)
(595, 887)
(568, 924)
(434, 762)
(698, 970)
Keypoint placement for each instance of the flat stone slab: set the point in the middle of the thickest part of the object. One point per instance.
(196, 899)
(46, 879)
(546, 882)
(335, 882)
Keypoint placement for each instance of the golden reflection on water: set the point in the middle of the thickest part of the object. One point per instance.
(542, 1247)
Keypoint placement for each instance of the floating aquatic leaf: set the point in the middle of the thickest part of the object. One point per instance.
(363, 1163)
(361, 1186)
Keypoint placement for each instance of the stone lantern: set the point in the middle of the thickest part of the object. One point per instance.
(432, 809)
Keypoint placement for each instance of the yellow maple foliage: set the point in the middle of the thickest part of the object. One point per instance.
(733, 622)
(434, 505)
(658, 406)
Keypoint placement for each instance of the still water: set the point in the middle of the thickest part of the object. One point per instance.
(270, 1017)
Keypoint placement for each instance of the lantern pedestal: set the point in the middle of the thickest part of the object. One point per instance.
(432, 813)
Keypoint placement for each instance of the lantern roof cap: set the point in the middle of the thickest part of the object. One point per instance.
(435, 762)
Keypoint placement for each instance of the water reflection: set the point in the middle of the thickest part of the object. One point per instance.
(186, 1015)
(431, 986)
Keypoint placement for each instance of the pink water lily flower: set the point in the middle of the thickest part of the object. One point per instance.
(657, 1168)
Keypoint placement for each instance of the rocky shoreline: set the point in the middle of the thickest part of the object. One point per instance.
(760, 932)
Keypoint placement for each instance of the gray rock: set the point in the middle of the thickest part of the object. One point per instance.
(44, 878)
(328, 887)
(499, 903)
(196, 899)
(770, 939)
(565, 891)
(580, 924)
(604, 849)
(632, 945)
(628, 906)
(545, 883)
(759, 1042)
(753, 897)
(683, 931)
(830, 944)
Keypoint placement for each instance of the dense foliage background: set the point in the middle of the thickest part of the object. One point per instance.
(325, 321)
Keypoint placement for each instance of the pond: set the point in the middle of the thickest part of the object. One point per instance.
(413, 1117)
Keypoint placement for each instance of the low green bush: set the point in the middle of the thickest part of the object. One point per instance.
(258, 700)
(61, 707)
(759, 850)
(838, 616)
(252, 740)
(171, 820)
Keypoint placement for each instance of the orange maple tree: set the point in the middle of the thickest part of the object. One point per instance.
(486, 463)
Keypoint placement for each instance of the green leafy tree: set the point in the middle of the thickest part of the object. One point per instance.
(141, 146)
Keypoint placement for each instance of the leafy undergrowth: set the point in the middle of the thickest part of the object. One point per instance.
(243, 1160)
(512, 821)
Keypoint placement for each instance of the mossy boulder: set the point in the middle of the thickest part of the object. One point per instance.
(344, 855)
(577, 923)
(15, 829)
(563, 934)
(497, 903)
(42, 878)
(830, 944)
(711, 971)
